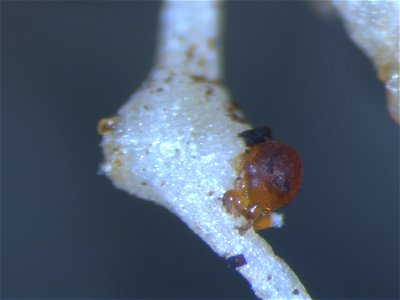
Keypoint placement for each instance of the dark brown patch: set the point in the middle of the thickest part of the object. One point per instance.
(202, 79)
(236, 261)
(235, 113)
(106, 125)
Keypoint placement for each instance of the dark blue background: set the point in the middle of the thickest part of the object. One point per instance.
(66, 232)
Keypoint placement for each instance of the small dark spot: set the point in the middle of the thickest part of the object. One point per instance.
(117, 163)
(202, 79)
(198, 78)
(286, 186)
(209, 91)
(296, 292)
(146, 107)
(236, 261)
(234, 113)
(176, 151)
(256, 136)
(189, 53)
(162, 183)
(168, 79)
(106, 125)
(201, 63)
(269, 277)
(269, 166)
(143, 183)
(159, 90)
(281, 183)
(210, 193)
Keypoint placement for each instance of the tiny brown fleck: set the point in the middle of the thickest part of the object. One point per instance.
(189, 53)
(106, 125)
(159, 90)
(209, 91)
(235, 114)
(200, 78)
(117, 163)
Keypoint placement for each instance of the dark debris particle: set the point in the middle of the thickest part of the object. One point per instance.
(256, 136)
(236, 261)
(269, 277)
(296, 292)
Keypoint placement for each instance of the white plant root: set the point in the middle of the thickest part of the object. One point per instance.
(374, 27)
(175, 139)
